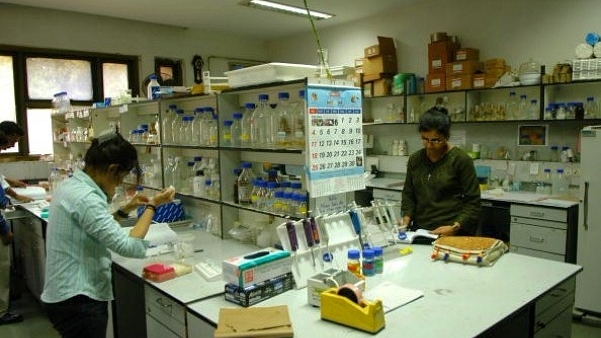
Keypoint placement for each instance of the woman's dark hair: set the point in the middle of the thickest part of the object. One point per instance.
(3, 138)
(436, 118)
(11, 128)
(112, 148)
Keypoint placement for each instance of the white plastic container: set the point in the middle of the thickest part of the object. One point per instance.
(270, 72)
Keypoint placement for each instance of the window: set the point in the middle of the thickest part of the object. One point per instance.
(7, 97)
(114, 79)
(39, 133)
(169, 70)
(30, 77)
(46, 77)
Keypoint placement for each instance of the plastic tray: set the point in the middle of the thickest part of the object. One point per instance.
(269, 72)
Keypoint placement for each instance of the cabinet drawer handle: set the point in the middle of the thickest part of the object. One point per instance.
(536, 239)
(161, 303)
(537, 214)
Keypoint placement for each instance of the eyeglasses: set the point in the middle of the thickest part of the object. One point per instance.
(434, 140)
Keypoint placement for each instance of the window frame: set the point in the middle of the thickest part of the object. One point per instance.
(22, 101)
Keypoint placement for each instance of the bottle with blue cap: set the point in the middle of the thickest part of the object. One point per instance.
(153, 88)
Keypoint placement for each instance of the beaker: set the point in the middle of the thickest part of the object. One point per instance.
(323, 68)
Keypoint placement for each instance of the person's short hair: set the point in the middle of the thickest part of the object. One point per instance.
(112, 148)
(3, 139)
(437, 119)
(11, 128)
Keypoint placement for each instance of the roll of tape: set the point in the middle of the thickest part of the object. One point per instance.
(350, 291)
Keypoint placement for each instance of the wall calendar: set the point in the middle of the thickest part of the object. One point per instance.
(335, 140)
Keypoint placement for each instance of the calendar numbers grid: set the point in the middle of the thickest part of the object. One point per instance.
(335, 141)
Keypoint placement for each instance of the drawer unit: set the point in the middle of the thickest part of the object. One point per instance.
(553, 311)
(543, 213)
(543, 231)
(564, 290)
(384, 194)
(165, 310)
(536, 253)
(538, 238)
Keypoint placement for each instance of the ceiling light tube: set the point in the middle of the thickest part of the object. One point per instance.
(289, 9)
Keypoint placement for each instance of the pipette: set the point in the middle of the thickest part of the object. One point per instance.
(316, 239)
(291, 229)
(356, 221)
(309, 237)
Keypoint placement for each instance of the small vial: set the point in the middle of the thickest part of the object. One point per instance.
(367, 266)
(353, 264)
(378, 259)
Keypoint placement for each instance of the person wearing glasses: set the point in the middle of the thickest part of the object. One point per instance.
(441, 192)
(12, 133)
(82, 233)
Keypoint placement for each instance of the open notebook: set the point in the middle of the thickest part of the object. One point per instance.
(392, 295)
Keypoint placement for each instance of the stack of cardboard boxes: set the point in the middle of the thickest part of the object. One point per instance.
(440, 52)
(378, 67)
(449, 66)
(460, 73)
(493, 70)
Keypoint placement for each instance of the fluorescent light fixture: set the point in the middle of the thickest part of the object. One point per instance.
(278, 7)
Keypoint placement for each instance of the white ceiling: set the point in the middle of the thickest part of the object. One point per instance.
(224, 15)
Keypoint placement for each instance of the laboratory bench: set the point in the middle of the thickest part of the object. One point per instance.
(459, 300)
(519, 296)
(532, 224)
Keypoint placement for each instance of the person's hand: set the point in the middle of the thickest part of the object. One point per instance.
(444, 230)
(163, 197)
(134, 202)
(24, 199)
(17, 184)
(403, 223)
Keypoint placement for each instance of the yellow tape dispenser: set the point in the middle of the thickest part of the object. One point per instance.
(345, 305)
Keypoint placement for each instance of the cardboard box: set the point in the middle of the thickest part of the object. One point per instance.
(467, 54)
(439, 54)
(494, 63)
(497, 72)
(489, 82)
(459, 82)
(256, 267)
(436, 83)
(379, 87)
(256, 322)
(478, 81)
(385, 46)
(380, 64)
(380, 58)
(463, 68)
(257, 293)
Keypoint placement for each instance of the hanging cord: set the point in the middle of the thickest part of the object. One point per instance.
(323, 61)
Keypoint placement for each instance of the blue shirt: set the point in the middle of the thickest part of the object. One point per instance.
(80, 233)
(4, 202)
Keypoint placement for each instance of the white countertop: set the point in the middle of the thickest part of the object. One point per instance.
(190, 287)
(385, 183)
(527, 197)
(459, 300)
(494, 195)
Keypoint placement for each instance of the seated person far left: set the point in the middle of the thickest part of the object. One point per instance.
(12, 132)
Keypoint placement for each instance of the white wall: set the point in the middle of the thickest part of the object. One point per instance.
(42, 28)
(545, 30)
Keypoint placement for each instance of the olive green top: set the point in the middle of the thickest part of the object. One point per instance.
(443, 192)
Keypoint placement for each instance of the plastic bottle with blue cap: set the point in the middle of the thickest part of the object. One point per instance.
(153, 88)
